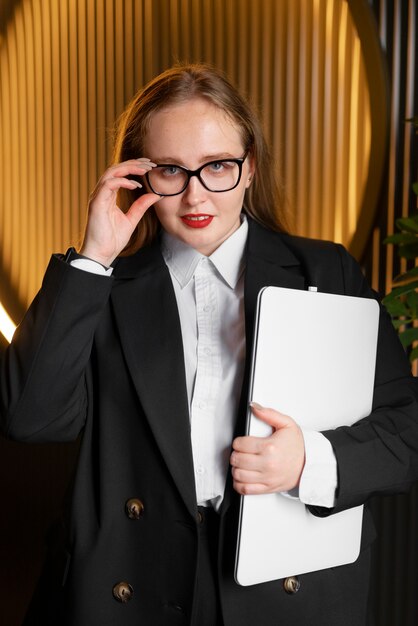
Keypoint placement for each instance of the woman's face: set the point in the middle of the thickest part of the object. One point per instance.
(192, 134)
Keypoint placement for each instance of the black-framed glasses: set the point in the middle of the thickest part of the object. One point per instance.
(221, 175)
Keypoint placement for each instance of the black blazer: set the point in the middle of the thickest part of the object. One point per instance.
(103, 357)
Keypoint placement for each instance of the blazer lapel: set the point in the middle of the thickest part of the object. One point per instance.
(269, 262)
(146, 314)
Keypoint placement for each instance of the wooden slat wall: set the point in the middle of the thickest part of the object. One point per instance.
(68, 67)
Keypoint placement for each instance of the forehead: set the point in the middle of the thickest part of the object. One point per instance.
(192, 127)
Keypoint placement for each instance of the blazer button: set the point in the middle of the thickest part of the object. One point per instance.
(134, 508)
(291, 584)
(123, 592)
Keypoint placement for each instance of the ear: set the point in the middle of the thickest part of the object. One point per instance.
(251, 170)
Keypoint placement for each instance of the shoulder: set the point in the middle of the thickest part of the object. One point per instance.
(329, 264)
(326, 264)
(314, 249)
(300, 246)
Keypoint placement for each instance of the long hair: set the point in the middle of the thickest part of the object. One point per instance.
(263, 201)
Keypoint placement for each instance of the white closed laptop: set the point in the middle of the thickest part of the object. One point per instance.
(314, 359)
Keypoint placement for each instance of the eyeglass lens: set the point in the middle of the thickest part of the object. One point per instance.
(215, 176)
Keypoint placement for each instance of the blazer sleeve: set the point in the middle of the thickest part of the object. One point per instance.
(377, 454)
(43, 371)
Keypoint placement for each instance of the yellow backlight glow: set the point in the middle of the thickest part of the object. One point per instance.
(7, 326)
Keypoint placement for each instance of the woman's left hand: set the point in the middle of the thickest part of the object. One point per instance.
(269, 464)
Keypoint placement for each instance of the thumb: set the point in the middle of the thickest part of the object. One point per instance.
(140, 206)
(271, 417)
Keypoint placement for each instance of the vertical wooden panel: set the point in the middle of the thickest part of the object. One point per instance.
(289, 130)
(302, 199)
(393, 139)
(63, 161)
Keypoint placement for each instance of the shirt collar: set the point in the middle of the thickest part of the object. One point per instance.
(228, 259)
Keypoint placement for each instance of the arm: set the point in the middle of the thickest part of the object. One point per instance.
(376, 455)
(43, 373)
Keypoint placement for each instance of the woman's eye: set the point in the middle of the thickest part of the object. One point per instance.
(170, 170)
(219, 166)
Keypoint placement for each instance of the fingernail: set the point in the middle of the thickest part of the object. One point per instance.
(255, 405)
(144, 161)
(136, 183)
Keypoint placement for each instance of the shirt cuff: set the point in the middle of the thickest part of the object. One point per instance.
(88, 265)
(319, 478)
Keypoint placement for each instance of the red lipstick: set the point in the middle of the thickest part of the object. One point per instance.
(197, 220)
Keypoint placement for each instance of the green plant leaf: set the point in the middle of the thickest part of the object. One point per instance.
(412, 299)
(401, 238)
(396, 307)
(399, 291)
(408, 250)
(414, 354)
(408, 336)
(412, 303)
(399, 323)
(410, 224)
(406, 276)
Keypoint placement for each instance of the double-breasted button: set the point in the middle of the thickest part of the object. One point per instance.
(123, 592)
(134, 508)
(291, 584)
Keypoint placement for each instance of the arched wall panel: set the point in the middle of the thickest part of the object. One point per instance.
(69, 67)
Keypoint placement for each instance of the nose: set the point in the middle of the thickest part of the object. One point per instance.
(195, 193)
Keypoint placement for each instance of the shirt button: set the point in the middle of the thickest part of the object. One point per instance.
(207, 308)
(207, 351)
(202, 405)
(200, 469)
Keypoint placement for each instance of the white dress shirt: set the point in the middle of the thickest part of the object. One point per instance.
(210, 299)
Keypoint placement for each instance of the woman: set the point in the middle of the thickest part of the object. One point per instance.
(139, 341)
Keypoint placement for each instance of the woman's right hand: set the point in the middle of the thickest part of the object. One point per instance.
(109, 229)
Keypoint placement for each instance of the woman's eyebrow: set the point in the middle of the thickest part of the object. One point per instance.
(204, 159)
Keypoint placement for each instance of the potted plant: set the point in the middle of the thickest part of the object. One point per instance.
(402, 301)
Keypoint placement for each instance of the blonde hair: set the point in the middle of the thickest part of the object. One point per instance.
(263, 201)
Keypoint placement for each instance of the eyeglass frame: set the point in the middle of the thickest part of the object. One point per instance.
(190, 173)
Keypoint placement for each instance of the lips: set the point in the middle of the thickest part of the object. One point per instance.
(197, 221)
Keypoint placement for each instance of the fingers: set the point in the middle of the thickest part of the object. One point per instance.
(115, 178)
(140, 206)
(108, 228)
(248, 466)
(271, 416)
(132, 166)
(249, 481)
(268, 464)
(250, 489)
(248, 444)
